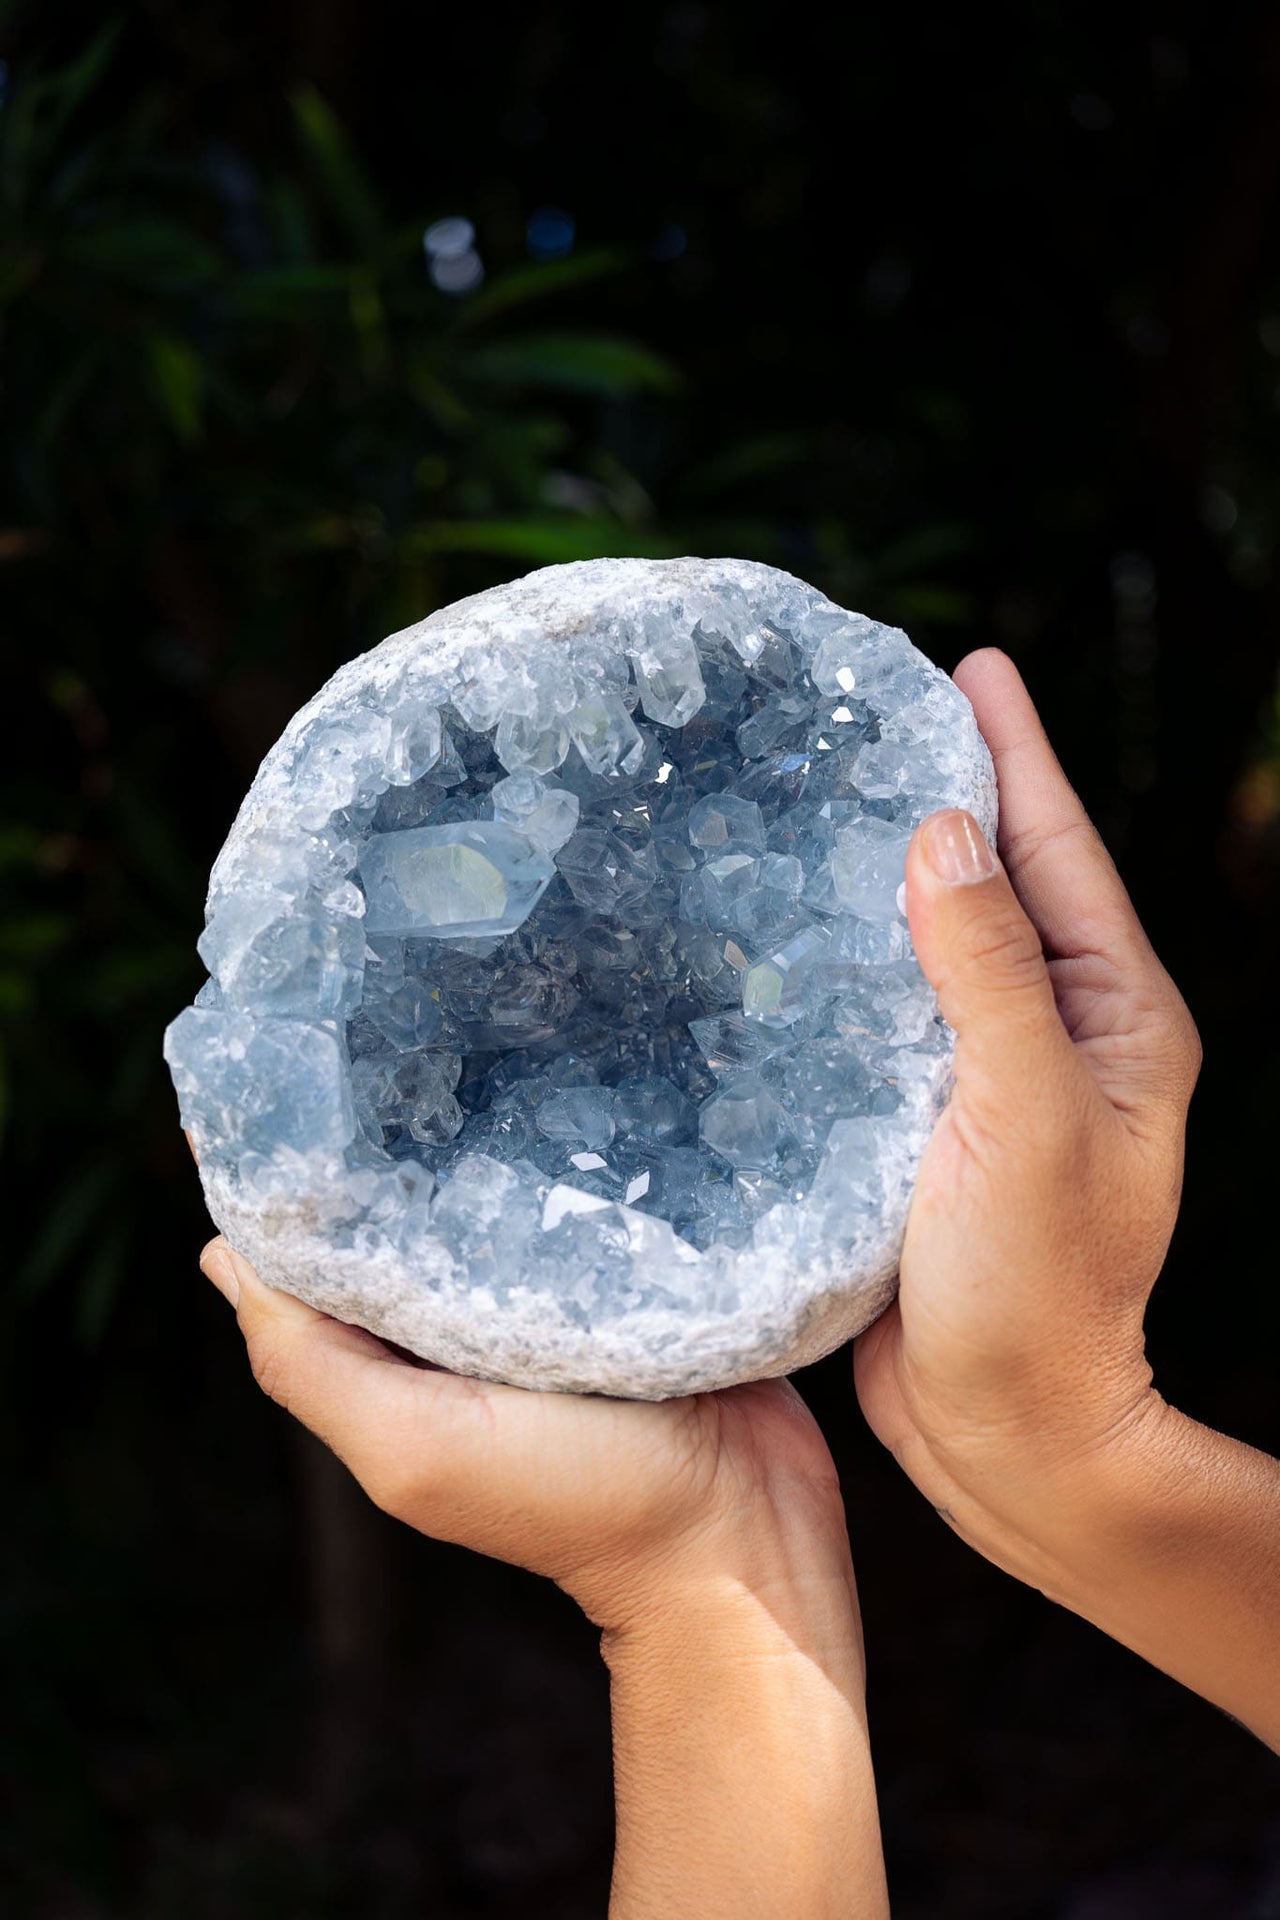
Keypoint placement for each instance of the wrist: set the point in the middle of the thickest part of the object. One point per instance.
(1051, 1517)
(755, 1608)
(1170, 1543)
(787, 1548)
(742, 1762)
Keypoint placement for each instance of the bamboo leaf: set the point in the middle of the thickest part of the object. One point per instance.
(349, 193)
(524, 285)
(150, 252)
(80, 1202)
(577, 363)
(73, 85)
(178, 377)
(545, 539)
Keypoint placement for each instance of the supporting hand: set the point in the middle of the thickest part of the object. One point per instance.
(1010, 1379)
(706, 1536)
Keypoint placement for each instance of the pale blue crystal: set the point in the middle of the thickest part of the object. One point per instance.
(407, 1096)
(722, 820)
(856, 655)
(520, 742)
(582, 1115)
(452, 882)
(485, 1213)
(668, 675)
(605, 735)
(650, 1108)
(867, 867)
(608, 873)
(744, 1124)
(270, 956)
(774, 989)
(249, 1085)
(417, 742)
(542, 810)
(732, 1042)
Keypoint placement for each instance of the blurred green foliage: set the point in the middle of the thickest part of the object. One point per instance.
(241, 420)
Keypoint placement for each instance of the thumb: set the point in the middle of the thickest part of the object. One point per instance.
(983, 958)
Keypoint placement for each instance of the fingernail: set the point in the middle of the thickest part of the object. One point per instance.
(218, 1264)
(956, 850)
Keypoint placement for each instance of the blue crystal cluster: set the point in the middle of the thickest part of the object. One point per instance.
(556, 940)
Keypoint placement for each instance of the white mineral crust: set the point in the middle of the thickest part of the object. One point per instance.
(624, 1083)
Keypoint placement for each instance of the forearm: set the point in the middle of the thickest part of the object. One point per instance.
(1171, 1544)
(742, 1765)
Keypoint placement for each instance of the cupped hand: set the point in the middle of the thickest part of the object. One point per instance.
(1014, 1356)
(622, 1503)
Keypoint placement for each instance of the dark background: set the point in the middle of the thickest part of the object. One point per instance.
(971, 315)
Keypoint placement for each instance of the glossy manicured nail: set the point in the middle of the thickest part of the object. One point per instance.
(218, 1264)
(955, 849)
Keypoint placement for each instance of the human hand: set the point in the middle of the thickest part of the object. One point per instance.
(1012, 1366)
(705, 1535)
(619, 1502)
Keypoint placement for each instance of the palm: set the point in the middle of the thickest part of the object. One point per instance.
(576, 1487)
(638, 1473)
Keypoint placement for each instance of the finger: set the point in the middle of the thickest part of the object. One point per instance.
(1051, 850)
(984, 960)
(407, 1433)
(1114, 996)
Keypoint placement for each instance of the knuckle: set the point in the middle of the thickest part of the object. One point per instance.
(391, 1490)
(1008, 949)
(1192, 1047)
(269, 1364)
(1180, 1046)
(400, 1485)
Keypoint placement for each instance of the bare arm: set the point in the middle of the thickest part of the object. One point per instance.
(1011, 1379)
(1169, 1540)
(741, 1760)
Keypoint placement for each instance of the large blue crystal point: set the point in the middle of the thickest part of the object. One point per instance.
(456, 882)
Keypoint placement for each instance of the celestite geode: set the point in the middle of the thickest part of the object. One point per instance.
(563, 1024)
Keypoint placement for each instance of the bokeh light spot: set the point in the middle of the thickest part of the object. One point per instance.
(549, 233)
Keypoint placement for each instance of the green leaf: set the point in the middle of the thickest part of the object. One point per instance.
(150, 252)
(69, 88)
(939, 606)
(290, 222)
(30, 936)
(278, 289)
(40, 107)
(178, 376)
(747, 460)
(80, 1202)
(577, 363)
(918, 552)
(526, 284)
(544, 539)
(349, 193)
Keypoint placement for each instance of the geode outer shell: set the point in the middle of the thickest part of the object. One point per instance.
(550, 1279)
